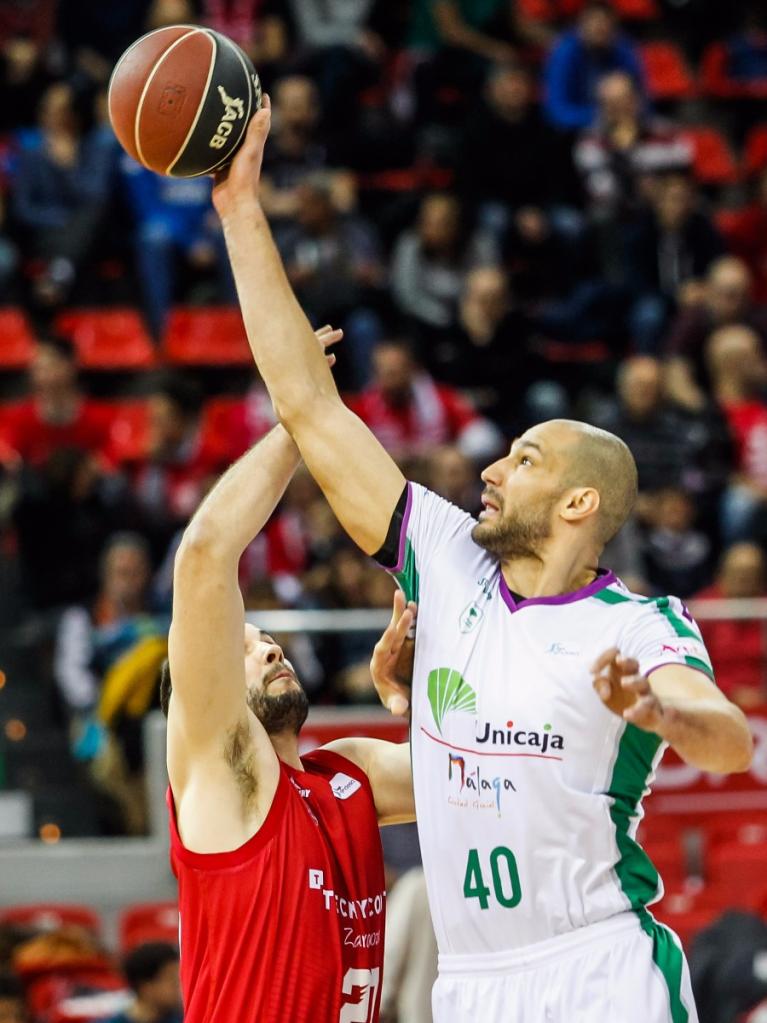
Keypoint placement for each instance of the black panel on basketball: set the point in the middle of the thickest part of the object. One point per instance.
(232, 97)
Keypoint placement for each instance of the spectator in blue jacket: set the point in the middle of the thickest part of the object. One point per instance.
(174, 224)
(579, 60)
(60, 190)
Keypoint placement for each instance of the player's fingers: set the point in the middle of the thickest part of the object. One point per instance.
(320, 332)
(644, 713)
(398, 606)
(326, 340)
(398, 704)
(637, 684)
(604, 660)
(331, 360)
(626, 665)
(403, 626)
(258, 128)
(603, 687)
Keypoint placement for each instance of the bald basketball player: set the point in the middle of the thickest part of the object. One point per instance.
(277, 853)
(543, 695)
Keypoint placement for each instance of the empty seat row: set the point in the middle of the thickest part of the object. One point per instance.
(150, 921)
(117, 339)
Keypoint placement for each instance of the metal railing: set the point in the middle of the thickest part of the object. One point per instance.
(376, 620)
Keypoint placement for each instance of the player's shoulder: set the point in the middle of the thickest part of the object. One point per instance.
(637, 607)
(423, 501)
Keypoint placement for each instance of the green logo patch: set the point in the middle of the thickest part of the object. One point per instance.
(448, 690)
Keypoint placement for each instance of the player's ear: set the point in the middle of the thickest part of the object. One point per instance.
(580, 503)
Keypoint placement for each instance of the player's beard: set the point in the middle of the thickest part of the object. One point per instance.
(285, 712)
(517, 533)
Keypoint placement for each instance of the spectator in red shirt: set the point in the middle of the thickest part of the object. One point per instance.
(738, 372)
(738, 648)
(172, 475)
(56, 415)
(411, 413)
(746, 236)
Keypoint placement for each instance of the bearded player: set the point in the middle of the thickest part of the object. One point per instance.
(543, 696)
(277, 855)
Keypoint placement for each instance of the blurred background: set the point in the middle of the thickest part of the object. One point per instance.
(517, 210)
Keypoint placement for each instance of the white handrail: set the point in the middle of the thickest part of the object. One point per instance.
(376, 620)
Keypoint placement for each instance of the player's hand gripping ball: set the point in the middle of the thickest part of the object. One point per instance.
(181, 98)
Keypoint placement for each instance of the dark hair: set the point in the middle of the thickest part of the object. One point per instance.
(166, 686)
(599, 5)
(62, 346)
(11, 986)
(145, 962)
(184, 393)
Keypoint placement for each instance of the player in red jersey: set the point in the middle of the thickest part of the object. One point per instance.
(278, 856)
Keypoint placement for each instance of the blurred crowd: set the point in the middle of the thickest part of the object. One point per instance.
(509, 224)
(508, 208)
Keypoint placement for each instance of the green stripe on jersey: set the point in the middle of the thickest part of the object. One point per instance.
(636, 874)
(408, 577)
(633, 766)
(668, 957)
(679, 625)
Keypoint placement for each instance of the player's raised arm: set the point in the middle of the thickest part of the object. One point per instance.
(208, 708)
(359, 479)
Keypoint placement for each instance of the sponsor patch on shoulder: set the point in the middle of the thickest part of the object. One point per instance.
(343, 786)
(684, 648)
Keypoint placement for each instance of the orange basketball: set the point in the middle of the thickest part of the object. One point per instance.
(180, 99)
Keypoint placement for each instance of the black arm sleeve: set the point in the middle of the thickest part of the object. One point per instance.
(388, 553)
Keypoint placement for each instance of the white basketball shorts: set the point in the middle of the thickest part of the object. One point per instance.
(628, 969)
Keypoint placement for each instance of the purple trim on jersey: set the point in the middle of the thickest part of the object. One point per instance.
(678, 664)
(403, 532)
(604, 578)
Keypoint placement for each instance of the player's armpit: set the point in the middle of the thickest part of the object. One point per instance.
(359, 478)
(389, 771)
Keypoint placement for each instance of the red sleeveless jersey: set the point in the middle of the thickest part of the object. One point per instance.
(289, 928)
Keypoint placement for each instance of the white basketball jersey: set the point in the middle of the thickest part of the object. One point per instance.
(528, 790)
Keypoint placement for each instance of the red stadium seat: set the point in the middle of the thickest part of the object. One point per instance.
(151, 921)
(16, 340)
(207, 337)
(743, 828)
(686, 912)
(108, 339)
(716, 81)
(563, 10)
(49, 916)
(129, 428)
(739, 869)
(667, 73)
(668, 857)
(637, 10)
(755, 153)
(714, 163)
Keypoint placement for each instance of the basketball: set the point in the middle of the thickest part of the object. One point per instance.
(180, 100)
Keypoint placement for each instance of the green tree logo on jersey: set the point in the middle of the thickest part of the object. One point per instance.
(448, 690)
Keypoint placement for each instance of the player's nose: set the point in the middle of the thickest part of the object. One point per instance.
(493, 474)
(274, 654)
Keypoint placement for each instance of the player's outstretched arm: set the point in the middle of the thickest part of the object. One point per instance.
(680, 705)
(206, 643)
(387, 764)
(358, 477)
